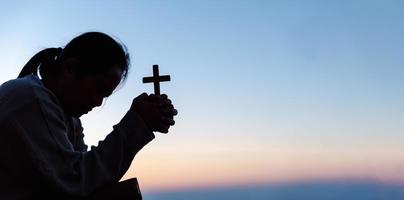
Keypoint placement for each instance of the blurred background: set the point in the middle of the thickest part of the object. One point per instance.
(277, 99)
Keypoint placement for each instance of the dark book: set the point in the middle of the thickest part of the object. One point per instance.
(125, 190)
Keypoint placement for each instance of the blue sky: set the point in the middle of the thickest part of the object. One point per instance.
(264, 89)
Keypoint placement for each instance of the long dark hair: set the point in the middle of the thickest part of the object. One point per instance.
(96, 51)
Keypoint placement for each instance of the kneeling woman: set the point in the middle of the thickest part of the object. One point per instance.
(42, 152)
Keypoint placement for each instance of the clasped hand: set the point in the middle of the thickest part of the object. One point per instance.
(157, 111)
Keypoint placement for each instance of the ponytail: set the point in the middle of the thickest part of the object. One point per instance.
(96, 51)
(45, 58)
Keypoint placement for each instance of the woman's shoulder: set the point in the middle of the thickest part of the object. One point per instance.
(20, 87)
(22, 90)
(28, 95)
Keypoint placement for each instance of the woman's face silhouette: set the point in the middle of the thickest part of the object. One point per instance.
(79, 93)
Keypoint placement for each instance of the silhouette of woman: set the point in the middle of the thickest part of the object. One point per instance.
(42, 152)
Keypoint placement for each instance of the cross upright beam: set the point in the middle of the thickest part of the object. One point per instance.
(156, 79)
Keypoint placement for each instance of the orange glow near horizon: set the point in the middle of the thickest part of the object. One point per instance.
(267, 92)
(218, 166)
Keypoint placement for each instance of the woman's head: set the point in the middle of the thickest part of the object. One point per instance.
(84, 72)
(95, 52)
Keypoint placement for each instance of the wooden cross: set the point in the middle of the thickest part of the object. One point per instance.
(156, 79)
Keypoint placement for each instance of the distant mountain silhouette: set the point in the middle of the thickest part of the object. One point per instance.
(302, 191)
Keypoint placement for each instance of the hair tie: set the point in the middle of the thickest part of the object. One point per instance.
(59, 53)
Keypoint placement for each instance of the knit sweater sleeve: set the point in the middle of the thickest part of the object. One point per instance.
(39, 127)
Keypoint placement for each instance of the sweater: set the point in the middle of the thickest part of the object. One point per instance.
(42, 150)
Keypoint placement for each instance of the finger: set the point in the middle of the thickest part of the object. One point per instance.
(163, 129)
(164, 96)
(153, 97)
(142, 96)
(167, 121)
(158, 97)
(166, 103)
(174, 112)
(170, 112)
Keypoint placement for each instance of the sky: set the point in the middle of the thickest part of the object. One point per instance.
(268, 92)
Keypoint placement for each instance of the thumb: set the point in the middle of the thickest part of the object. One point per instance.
(143, 95)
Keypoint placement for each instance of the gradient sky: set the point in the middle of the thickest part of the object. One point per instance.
(267, 91)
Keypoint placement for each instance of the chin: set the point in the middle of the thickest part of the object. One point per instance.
(78, 114)
(82, 113)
